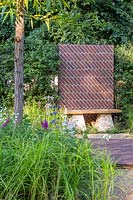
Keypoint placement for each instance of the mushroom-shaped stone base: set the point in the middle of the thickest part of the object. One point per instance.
(79, 122)
(104, 122)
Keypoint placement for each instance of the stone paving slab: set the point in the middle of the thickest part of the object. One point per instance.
(123, 186)
(121, 150)
(113, 136)
(120, 147)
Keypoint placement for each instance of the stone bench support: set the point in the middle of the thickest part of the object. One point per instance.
(79, 121)
(103, 122)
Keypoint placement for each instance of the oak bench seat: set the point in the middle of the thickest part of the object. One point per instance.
(93, 111)
(103, 121)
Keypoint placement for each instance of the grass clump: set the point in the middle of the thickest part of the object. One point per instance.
(48, 162)
(45, 166)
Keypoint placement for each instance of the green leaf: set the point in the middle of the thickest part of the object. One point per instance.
(26, 3)
(65, 3)
(48, 3)
(36, 4)
(3, 12)
(47, 21)
(7, 13)
(31, 22)
(11, 15)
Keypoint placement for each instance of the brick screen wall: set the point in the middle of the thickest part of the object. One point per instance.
(86, 76)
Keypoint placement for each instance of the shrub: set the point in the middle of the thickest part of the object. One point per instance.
(123, 75)
(123, 81)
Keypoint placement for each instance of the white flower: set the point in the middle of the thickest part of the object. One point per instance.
(65, 123)
(71, 125)
(107, 137)
(48, 105)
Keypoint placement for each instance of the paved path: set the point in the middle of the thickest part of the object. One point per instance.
(121, 150)
(123, 185)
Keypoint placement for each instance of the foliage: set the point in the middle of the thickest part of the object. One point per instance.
(38, 112)
(40, 68)
(123, 75)
(52, 168)
(116, 129)
(129, 115)
(123, 81)
(6, 68)
(91, 130)
(7, 31)
(41, 64)
(95, 22)
(45, 164)
(6, 60)
(98, 22)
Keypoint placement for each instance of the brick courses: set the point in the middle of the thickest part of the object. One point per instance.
(86, 76)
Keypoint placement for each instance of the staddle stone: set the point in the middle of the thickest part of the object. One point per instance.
(104, 122)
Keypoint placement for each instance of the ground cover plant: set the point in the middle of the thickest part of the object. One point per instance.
(49, 163)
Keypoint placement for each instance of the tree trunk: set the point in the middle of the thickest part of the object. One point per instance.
(19, 62)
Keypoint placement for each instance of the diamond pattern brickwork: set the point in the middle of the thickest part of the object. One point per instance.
(86, 76)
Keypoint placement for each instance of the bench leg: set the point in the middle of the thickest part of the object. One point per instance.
(79, 122)
(104, 122)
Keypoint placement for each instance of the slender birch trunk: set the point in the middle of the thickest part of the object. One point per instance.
(19, 61)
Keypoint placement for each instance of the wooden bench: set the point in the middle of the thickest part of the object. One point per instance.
(103, 121)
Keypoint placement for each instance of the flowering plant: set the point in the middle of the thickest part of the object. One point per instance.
(55, 118)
